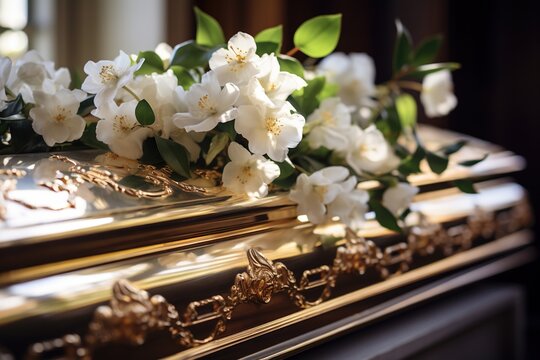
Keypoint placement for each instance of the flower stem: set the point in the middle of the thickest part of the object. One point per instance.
(132, 93)
(411, 85)
(293, 51)
(301, 169)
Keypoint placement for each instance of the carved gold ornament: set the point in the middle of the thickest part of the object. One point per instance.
(132, 313)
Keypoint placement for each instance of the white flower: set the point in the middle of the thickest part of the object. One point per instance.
(164, 51)
(105, 77)
(208, 105)
(355, 74)
(368, 150)
(31, 73)
(120, 130)
(329, 125)
(350, 205)
(312, 193)
(5, 68)
(237, 63)
(270, 131)
(271, 87)
(248, 174)
(160, 92)
(55, 116)
(399, 197)
(437, 94)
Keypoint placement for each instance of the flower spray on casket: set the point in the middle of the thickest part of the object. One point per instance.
(242, 108)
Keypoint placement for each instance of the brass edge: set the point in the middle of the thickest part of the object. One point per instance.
(132, 313)
(506, 243)
(420, 295)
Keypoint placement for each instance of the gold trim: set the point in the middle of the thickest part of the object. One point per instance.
(104, 178)
(507, 243)
(132, 313)
(483, 272)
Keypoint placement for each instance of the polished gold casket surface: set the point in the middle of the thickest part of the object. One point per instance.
(211, 254)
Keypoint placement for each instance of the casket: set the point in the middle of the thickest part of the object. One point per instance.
(105, 260)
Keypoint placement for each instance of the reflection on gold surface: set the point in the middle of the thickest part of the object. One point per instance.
(133, 314)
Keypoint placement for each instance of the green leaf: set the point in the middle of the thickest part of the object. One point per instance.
(272, 35)
(89, 138)
(144, 113)
(151, 155)
(228, 128)
(406, 109)
(319, 36)
(76, 79)
(437, 163)
(185, 79)
(473, 162)
(389, 124)
(13, 107)
(175, 155)
(190, 55)
(24, 139)
(427, 51)
(86, 106)
(287, 175)
(290, 64)
(424, 70)
(286, 169)
(209, 32)
(453, 148)
(402, 47)
(218, 143)
(411, 165)
(267, 47)
(466, 186)
(152, 63)
(329, 90)
(384, 216)
(308, 101)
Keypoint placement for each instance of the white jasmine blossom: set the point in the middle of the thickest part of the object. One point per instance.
(437, 94)
(31, 73)
(248, 174)
(238, 63)
(271, 87)
(399, 197)
(160, 92)
(328, 125)
(120, 130)
(350, 205)
(368, 150)
(354, 73)
(312, 193)
(164, 51)
(270, 131)
(55, 117)
(208, 105)
(5, 69)
(106, 77)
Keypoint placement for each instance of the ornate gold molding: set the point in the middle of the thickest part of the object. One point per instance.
(132, 313)
(104, 178)
(70, 174)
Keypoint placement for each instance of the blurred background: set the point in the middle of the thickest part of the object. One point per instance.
(497, 42)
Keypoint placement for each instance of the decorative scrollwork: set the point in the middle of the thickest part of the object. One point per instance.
(102, 177)
(132, 314)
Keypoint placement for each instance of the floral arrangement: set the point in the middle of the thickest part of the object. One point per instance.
(255, 115)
